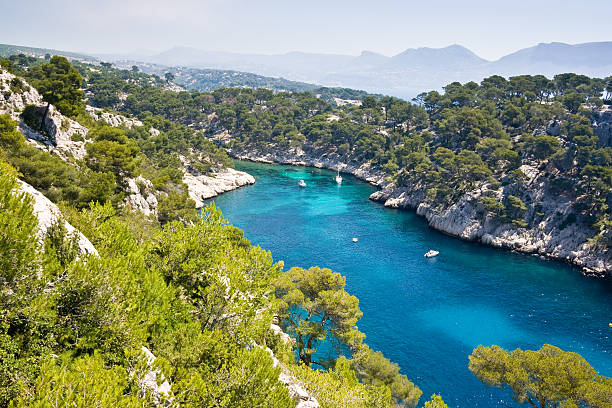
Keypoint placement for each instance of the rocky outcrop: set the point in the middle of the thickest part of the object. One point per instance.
(202, 187)
(553, 228)
(160, 392)
(602, 128)
(141, 196)
(112, 119)
(61, 135)
(297, 392)
(48, 214)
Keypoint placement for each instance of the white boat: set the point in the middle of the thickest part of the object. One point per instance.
(302, 183)
(431, 253)
(338, 177)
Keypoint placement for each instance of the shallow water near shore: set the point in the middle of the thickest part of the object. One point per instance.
(424, 314)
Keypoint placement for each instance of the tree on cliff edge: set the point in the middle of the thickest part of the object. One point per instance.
(59, 84)
(315, 306)
(545, 378)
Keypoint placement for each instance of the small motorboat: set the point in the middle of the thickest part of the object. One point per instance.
(355, 239)
(431, 253)
(338, 178)
(302, 183)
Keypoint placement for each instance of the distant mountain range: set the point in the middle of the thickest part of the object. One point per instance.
(404, 75)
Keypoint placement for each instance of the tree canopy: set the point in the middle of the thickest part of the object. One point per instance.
(548, 377)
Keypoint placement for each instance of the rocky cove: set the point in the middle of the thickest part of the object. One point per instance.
(67, 139)
(548, 234)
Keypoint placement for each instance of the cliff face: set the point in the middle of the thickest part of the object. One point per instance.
(48, 214)
(203, 187)
(553, 228)
(550, 231)
(63, 136)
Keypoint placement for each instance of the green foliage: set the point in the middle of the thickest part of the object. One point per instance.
(19, 283)
(493, 206)
(55, 178)
(315, 305)
(59, 84)
(242, 379)
(548, 377)
(372, 368)
(176, 207)
(31, 116)
(541, 147)
(112, 152)
(196, 259)
(339, 388)
(436, 401)
(83, 382)
(515, 209)
(18, 244)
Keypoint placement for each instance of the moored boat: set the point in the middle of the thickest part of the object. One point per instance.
(431, 253)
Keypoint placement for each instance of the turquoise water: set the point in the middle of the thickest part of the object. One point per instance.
(425, 314)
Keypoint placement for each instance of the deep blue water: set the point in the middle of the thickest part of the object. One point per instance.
(424, 314)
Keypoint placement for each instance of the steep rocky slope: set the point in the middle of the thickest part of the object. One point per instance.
(67, 138)
(549, 232)
(48, 214)
(64, 136)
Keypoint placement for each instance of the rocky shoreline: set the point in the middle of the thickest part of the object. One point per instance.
(203, 187)
(466, 219)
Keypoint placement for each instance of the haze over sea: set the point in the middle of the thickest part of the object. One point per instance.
(424, 314)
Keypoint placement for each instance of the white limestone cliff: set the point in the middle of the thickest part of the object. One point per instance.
(48, 214)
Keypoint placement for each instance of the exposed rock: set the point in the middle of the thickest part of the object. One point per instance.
(548, 232)
(602, 128)
(553, 128)
(297, 392)
(203, 187)
(112, 119)
(63, 136)
(141, 197)
(48, 214)
(160, 392)
(285, 338)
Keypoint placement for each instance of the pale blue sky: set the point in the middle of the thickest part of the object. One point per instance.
(488, 27)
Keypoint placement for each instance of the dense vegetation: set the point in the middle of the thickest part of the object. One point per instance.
(196, 293)
(115, 154)
(208, 80)
(474, 136)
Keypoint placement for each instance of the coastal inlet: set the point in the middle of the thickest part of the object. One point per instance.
(426, 314)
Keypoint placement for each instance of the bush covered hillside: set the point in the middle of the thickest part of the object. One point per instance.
(115, 292)
(530, 155)
(170, 308)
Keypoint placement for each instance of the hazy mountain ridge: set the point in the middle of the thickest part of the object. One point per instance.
(407, 73)
(404, 75)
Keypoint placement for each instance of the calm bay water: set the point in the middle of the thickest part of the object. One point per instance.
(424, 314)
